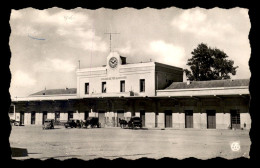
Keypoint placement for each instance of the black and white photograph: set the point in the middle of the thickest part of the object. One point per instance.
(129, 83)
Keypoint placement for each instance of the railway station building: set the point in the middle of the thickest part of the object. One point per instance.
(151, 90)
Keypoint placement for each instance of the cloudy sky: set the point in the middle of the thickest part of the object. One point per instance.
(47, 44)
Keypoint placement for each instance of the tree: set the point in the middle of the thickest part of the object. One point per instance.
(209, 64)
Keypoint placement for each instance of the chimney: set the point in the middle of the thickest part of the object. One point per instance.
(123, 59)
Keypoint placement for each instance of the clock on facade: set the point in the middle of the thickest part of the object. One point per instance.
(113, 62)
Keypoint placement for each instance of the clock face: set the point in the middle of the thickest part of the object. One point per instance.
(113, 62)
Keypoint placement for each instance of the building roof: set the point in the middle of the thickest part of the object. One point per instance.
(168, 66)
(209, 84)
(56, 91)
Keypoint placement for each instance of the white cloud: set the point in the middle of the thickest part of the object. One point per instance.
(126, 50)
(62, 18)
(167, 53)
(22, 79)
(50, 65)
(196, 21)
(74, 28)
(84, 39)
(189, 18)
(25, 30)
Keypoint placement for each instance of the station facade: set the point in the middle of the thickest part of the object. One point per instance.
(151, 90)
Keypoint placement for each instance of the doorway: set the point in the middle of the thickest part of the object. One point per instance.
(235, 119)
(188, 118)
(168, 118)
(211, 119)
(86, 115)
(21, 118)
(142, 116)
(33, 118)
(57, 116)
(156, 119)
(70, 115)
(120, 114)
(44, 116)
(101, 118)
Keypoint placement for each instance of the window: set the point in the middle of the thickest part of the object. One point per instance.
(86, 88)
(122, 86)
(104, 88)
(142, 85)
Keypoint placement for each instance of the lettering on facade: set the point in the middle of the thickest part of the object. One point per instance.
(114, 78)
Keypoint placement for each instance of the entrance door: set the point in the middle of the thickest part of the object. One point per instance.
(168, 118)
(33, 117)
(156, 119)
(142, 116)
(44, 116)
(21, 118)
(235, 119)
(57, 116)
(101, 118)
(211, 119)
(120, 114)
(70, 115)
(86, 115)
(188, 119)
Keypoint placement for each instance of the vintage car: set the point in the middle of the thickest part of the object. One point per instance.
(70, 123)
(92, 122)
(14, 122)
(135, 122)
(48, 124)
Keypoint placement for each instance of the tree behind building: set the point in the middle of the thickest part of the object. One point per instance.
(209, 64)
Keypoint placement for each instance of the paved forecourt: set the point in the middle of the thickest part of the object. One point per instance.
(111, 143)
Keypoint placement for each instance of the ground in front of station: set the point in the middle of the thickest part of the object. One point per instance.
(111, 143)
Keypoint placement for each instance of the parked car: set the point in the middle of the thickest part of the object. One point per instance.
(93, 122)
(14, 122)
(48, 124)
(135, 122)
(70, 123)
